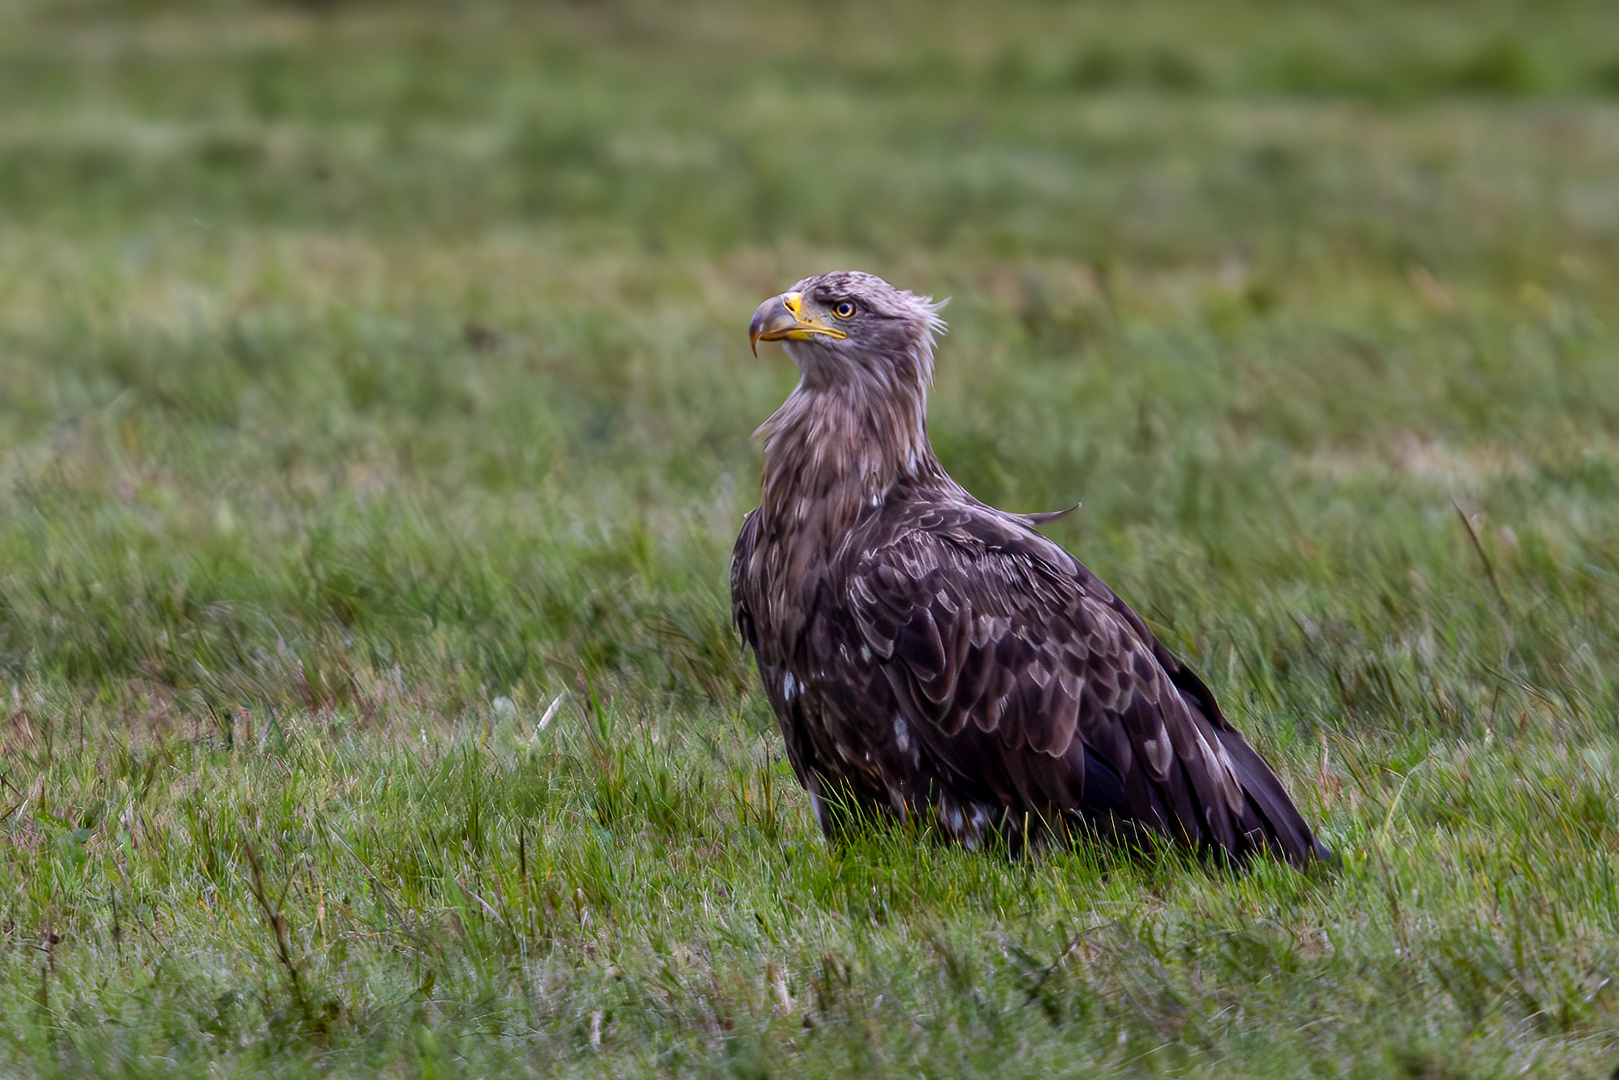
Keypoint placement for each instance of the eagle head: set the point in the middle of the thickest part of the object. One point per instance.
(845, 325)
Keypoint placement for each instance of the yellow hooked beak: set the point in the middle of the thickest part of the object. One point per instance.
(783, 318)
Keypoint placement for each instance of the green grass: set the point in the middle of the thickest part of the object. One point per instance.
(374, 426)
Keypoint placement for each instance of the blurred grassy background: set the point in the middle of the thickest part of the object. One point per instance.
(371, 371)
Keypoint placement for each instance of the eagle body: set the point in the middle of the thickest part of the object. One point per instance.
(933, 659)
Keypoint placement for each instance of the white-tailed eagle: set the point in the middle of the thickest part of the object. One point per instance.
(936, 660)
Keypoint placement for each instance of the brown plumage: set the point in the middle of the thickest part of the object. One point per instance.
(931, 658)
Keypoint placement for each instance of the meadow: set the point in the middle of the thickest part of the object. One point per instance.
(375, 415)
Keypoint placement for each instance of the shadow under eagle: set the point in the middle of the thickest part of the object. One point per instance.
(933, 659)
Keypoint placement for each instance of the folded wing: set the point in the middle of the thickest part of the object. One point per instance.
(1034, 688)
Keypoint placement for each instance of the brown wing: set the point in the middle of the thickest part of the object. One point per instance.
(1035, 688)
(741, 555)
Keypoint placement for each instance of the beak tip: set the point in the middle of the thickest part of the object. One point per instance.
(772, 321)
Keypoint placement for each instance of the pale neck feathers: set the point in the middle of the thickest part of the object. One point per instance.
(831, 451)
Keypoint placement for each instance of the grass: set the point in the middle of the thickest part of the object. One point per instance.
(374, 426)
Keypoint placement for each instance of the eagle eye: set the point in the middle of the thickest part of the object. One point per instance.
(845, 309)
